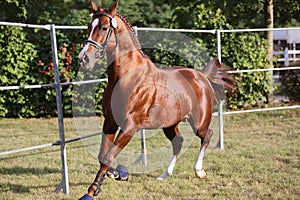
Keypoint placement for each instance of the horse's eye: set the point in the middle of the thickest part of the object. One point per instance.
(104, 29)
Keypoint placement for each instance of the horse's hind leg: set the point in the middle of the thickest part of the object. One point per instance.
(205, 136)
(173, 134)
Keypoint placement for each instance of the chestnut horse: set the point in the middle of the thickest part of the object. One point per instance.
(139, 95)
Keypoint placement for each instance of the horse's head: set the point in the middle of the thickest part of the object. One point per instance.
(101, 28)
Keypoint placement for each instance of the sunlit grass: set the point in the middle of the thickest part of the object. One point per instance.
(261, 161)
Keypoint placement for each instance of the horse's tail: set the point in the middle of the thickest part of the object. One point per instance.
(219, 78)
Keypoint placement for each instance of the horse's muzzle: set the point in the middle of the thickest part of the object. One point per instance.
(87, 61)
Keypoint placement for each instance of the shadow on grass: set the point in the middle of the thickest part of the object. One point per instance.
(21, 170)
(16, 188)
(22, 154)
(22, 189)
(143, 176)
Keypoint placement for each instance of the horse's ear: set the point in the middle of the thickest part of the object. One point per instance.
(113, 8)
(93, 7)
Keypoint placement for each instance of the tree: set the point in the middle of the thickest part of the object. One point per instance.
(286, 13)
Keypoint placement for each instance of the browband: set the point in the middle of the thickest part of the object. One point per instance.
(113, 21)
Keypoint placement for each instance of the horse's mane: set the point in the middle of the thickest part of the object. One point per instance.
(129, 27)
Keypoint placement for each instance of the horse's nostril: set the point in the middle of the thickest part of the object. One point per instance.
(86, 59)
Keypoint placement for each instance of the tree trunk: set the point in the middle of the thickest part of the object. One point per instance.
(270, 24)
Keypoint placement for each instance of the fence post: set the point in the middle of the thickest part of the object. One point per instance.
(286, 57)
(220, 112)
(221, 126)
(219, 50)
(64, 171)
(143, 157)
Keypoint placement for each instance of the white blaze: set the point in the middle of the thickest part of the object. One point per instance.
(82, 52)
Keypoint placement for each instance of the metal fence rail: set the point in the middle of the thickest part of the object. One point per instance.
(51, 85)
(56, 143)
(261, 110)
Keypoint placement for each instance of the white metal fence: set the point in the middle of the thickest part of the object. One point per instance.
(62, 142)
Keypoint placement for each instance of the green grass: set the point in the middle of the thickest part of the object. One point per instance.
(261, 161)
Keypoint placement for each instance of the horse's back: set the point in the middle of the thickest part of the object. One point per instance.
(199, 82)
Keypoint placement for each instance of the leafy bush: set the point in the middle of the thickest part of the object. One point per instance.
(247, 51)
(291, 84)
(175, 49)
(17, 68)
(27, 59)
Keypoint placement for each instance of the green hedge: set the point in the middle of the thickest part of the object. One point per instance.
(244, 51)
(26, 59)
(17, 68)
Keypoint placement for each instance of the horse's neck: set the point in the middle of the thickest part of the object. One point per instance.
(126, 57)
(126, 64)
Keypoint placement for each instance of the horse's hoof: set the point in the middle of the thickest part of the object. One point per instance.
(86, 197)
(120, 173)
(164, 176)
(112, 173)
(201, 173)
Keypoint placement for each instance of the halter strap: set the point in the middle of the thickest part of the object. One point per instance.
(113, 21)
(113, 26)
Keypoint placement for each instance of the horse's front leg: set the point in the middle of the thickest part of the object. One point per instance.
(109, 130)
(120, 142)
(107, 142)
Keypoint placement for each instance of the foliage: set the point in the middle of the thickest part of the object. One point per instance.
(175, 49)
(291, 84)
(245, 13)
(247, 51)
(286, 13)
(17, 61)
(191, 50)
(250, 13)
(33, 11)
(147, 13)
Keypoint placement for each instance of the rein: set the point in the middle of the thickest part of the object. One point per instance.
(113, 26)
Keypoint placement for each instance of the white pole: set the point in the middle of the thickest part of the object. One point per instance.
(144, 150)
(286, 57)
(220, 113)
(294, 50)
(65, 179)
(219, 50)
(221, 126)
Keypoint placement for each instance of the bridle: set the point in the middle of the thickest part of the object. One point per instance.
(113, 26)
